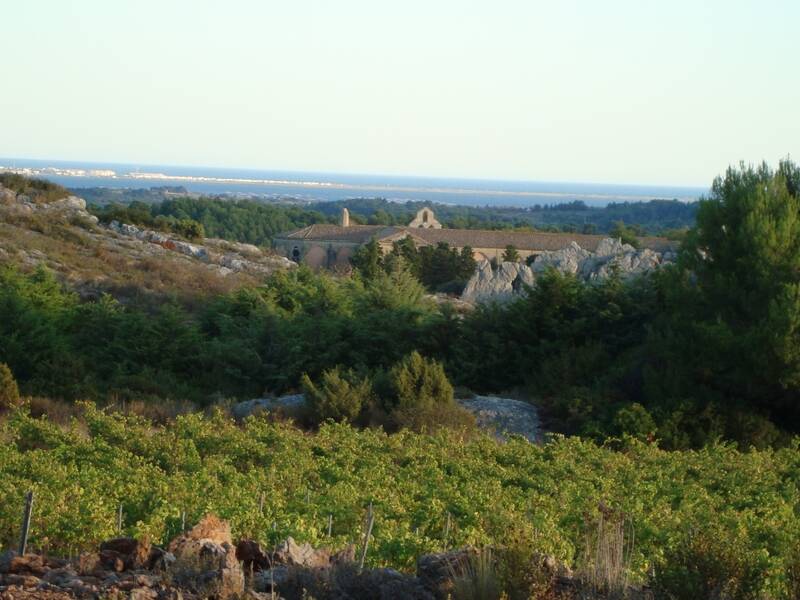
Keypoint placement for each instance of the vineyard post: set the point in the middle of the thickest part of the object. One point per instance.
(119, 519)
(370, 521)
(446, 530)
(26, 523)
(183, 521)
(330, 524)
(261, 504)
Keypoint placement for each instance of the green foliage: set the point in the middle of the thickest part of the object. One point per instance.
(189, 229)
(736, 296)
(510, 254)
(237, 220)
(608, 358)
(419, 383)
(440, 265)
(436, 266)
(496, 493)
(625, 233)
(368, 259)
(9, 392)
(39, 190)
(340, 395)
(145, 215)
(634, 420)
(419, 397)
(653, 216)
(714, 562)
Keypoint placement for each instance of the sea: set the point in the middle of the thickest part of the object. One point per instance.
(315, 186)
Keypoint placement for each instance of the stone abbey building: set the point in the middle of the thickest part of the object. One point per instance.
(332, 246)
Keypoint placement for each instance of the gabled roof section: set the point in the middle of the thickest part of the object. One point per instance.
(524, 240)
(357, 234)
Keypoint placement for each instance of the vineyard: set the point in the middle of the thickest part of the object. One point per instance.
(429, 492)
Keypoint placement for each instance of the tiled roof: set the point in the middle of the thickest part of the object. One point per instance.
(476, 238)
(523, 240)
(358, 234)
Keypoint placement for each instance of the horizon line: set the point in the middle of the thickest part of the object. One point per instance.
(366, 173)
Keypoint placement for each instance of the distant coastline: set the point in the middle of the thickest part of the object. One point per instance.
(316, 186)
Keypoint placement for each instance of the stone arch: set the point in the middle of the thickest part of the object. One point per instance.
(316, 257)
(343, 256)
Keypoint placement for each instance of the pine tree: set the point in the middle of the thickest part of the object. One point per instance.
(368, 259)
(744, 256)
(510, 254)
(9, 392)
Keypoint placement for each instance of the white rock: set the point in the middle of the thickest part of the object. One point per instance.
(500, 285)
(612, 256)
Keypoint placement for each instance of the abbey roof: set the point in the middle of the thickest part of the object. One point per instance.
(475, 238)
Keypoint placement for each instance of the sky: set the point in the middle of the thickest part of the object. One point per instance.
(613, 91)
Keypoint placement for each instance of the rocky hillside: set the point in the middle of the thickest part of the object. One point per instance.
(611, 256)
(64, 237)
(205, 563)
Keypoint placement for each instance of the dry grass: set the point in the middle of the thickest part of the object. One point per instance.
(96, 264)
(606, 559)
(476, 577)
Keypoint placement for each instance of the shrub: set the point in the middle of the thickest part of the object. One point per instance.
(476, 577)
(9, 392)
(419, 397)
(340, 396)
(634, 420)
(714, 563)
(510, 254)
(189, 228)
(419, 383)
(429, 419)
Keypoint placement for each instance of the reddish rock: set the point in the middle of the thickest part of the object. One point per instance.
(252, 557)
(28, 563)
(109, 559)
(88, 563)
(134, 554)
(27, 581)
(231, 577)
(346, 555)
(291, 553)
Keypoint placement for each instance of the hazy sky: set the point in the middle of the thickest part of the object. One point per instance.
(607, 90)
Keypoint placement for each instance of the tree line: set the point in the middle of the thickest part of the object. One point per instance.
(701, 350)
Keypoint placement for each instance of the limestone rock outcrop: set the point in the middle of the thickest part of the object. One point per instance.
(225, 256)
(503, 417)
(611, 255)
(283, 404)
(500, 284)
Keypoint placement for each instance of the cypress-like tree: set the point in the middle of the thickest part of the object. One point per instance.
(9, 393)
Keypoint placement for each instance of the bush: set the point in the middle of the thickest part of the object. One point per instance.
(430, 419)
(510, 254)
(419, 397)
(419, 383)
(634, 420)
(340, 396)
(9, 392)
(715, 563)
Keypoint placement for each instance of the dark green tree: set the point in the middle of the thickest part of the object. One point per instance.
(9, 393)
(510, 254)
(368, 259)
(626, 234)
(340, 395)
(744, 255)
